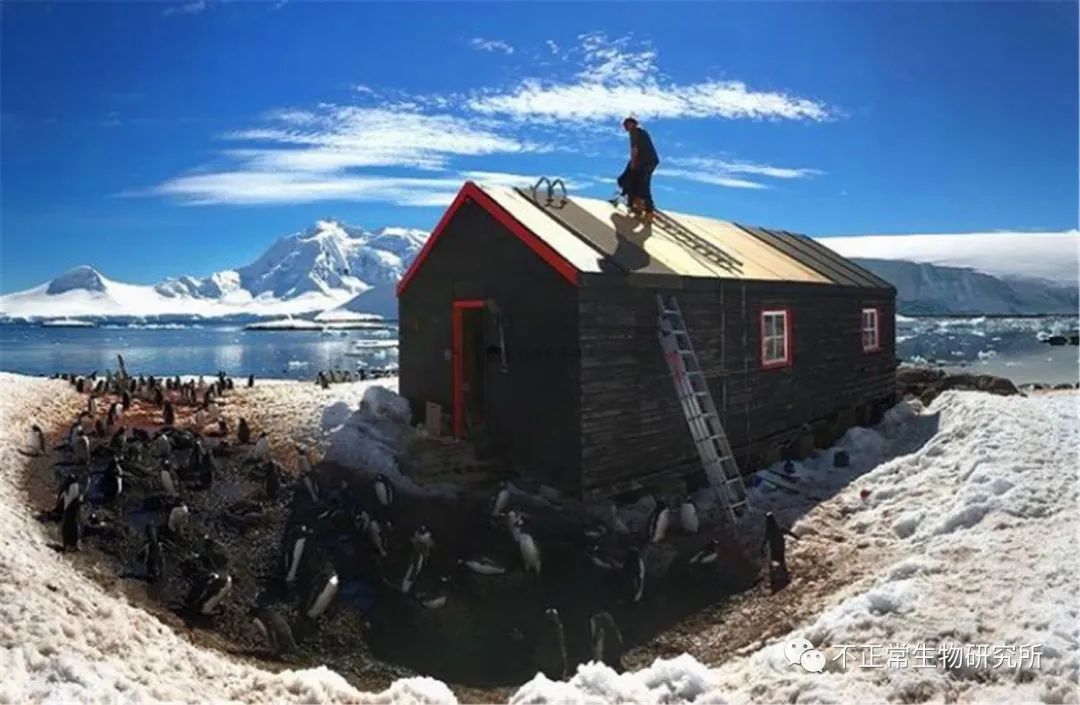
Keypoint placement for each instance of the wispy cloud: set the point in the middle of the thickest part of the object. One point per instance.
(482, 44)
(723, 172)
(705, 177)
(268, 188)
(189, 8)
(617, 79)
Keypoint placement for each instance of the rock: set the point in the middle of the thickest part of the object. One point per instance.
(918, 375)
(1064, 385)
(1074, 339)
(1057, 340)
(841, 459)
(979, 383)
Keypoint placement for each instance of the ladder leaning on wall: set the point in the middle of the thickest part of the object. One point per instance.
(696, 401)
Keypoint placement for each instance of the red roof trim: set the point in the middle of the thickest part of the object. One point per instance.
(472, 192)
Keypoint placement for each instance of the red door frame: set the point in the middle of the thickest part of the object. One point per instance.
(458, 362)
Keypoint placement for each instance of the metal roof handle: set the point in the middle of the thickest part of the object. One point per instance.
(536, 187)
(551, 192)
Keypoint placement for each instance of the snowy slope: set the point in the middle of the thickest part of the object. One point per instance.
(306, 272)
(923, 289)
(966, 511)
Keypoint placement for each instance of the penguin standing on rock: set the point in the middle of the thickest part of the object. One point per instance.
(208, 593)
(125, 400)
(606, 641)
(155, 559)
(551, 647)
(113, 483)
(251, 381)
(82, 448)
(688, 516)
(501, 499)
(37, 440)
(384, 490)
(272, 479)
(294, 553)
(69, 492)
(168, 414)
(262, 447)
(71, 526)
(275, 630)
(243, 431)
(530, 552)
(658, 521)
(323, 589)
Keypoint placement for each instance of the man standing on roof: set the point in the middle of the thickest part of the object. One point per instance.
(637, 179)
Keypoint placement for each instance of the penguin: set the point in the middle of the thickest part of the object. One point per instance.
(688, 516)
(92, 406)
(82, 448)
(243, 431)
(207, 594)
(707, 555)
(530, 552)
(375, 535)
(114, 413)
(501, 499)
(208, 471)
(658, 521)
(323, 590)
(606, 641)
(634, 570)
(71, 525)
(311, 484)
(69, 492)
(213, 411)
(601, 560)
(160, 447)
(262, 447)
(483, 566)
(113, 483)
(80, 385)
(384, 490)
(200, 419)
(214, 555)
(303, 463)
(118, 441)
(87, 422)
(412, 572)
(551, 647)
(178, 519)
(37, 440)
(159, 398)
(125, 400)
(422, 538)
(100, 429)
(273, 479)
(155, 559)
(294, 553)
(275, 630)
(435, 597)
(514, 522)
(168, 414)
(251, 381)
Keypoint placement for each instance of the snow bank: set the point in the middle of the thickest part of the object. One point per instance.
(678, 680)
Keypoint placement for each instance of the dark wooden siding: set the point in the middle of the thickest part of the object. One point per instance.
(632, 425)
(532, 406)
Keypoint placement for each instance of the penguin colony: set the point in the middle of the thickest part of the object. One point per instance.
(308, 566)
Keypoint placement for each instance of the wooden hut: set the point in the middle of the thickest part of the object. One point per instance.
(532, 320)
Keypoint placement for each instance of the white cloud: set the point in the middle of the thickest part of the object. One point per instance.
(190, 8)
(617, 80)
(552, 47)
(711, 178)
(712, 165)
(266, 187)
(492, 45)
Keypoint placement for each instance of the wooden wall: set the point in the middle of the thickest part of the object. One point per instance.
(532, 406)
(632, 426)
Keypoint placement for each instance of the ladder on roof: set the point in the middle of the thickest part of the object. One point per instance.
(697, 404)
(695, 243)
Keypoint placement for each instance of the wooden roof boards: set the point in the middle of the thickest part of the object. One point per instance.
(585, 236)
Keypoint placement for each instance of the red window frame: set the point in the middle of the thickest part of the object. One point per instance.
(876, 347)
(787, 360)
(458, 361)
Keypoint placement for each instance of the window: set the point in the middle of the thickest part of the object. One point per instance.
(775, 338)
(871, 331)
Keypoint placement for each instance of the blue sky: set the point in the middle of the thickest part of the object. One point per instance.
(182, 138)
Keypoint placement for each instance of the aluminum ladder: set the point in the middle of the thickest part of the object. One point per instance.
(697, 404)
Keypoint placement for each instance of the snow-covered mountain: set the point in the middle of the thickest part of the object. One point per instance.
(977, 273)
(927, 289)
(314, 270)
